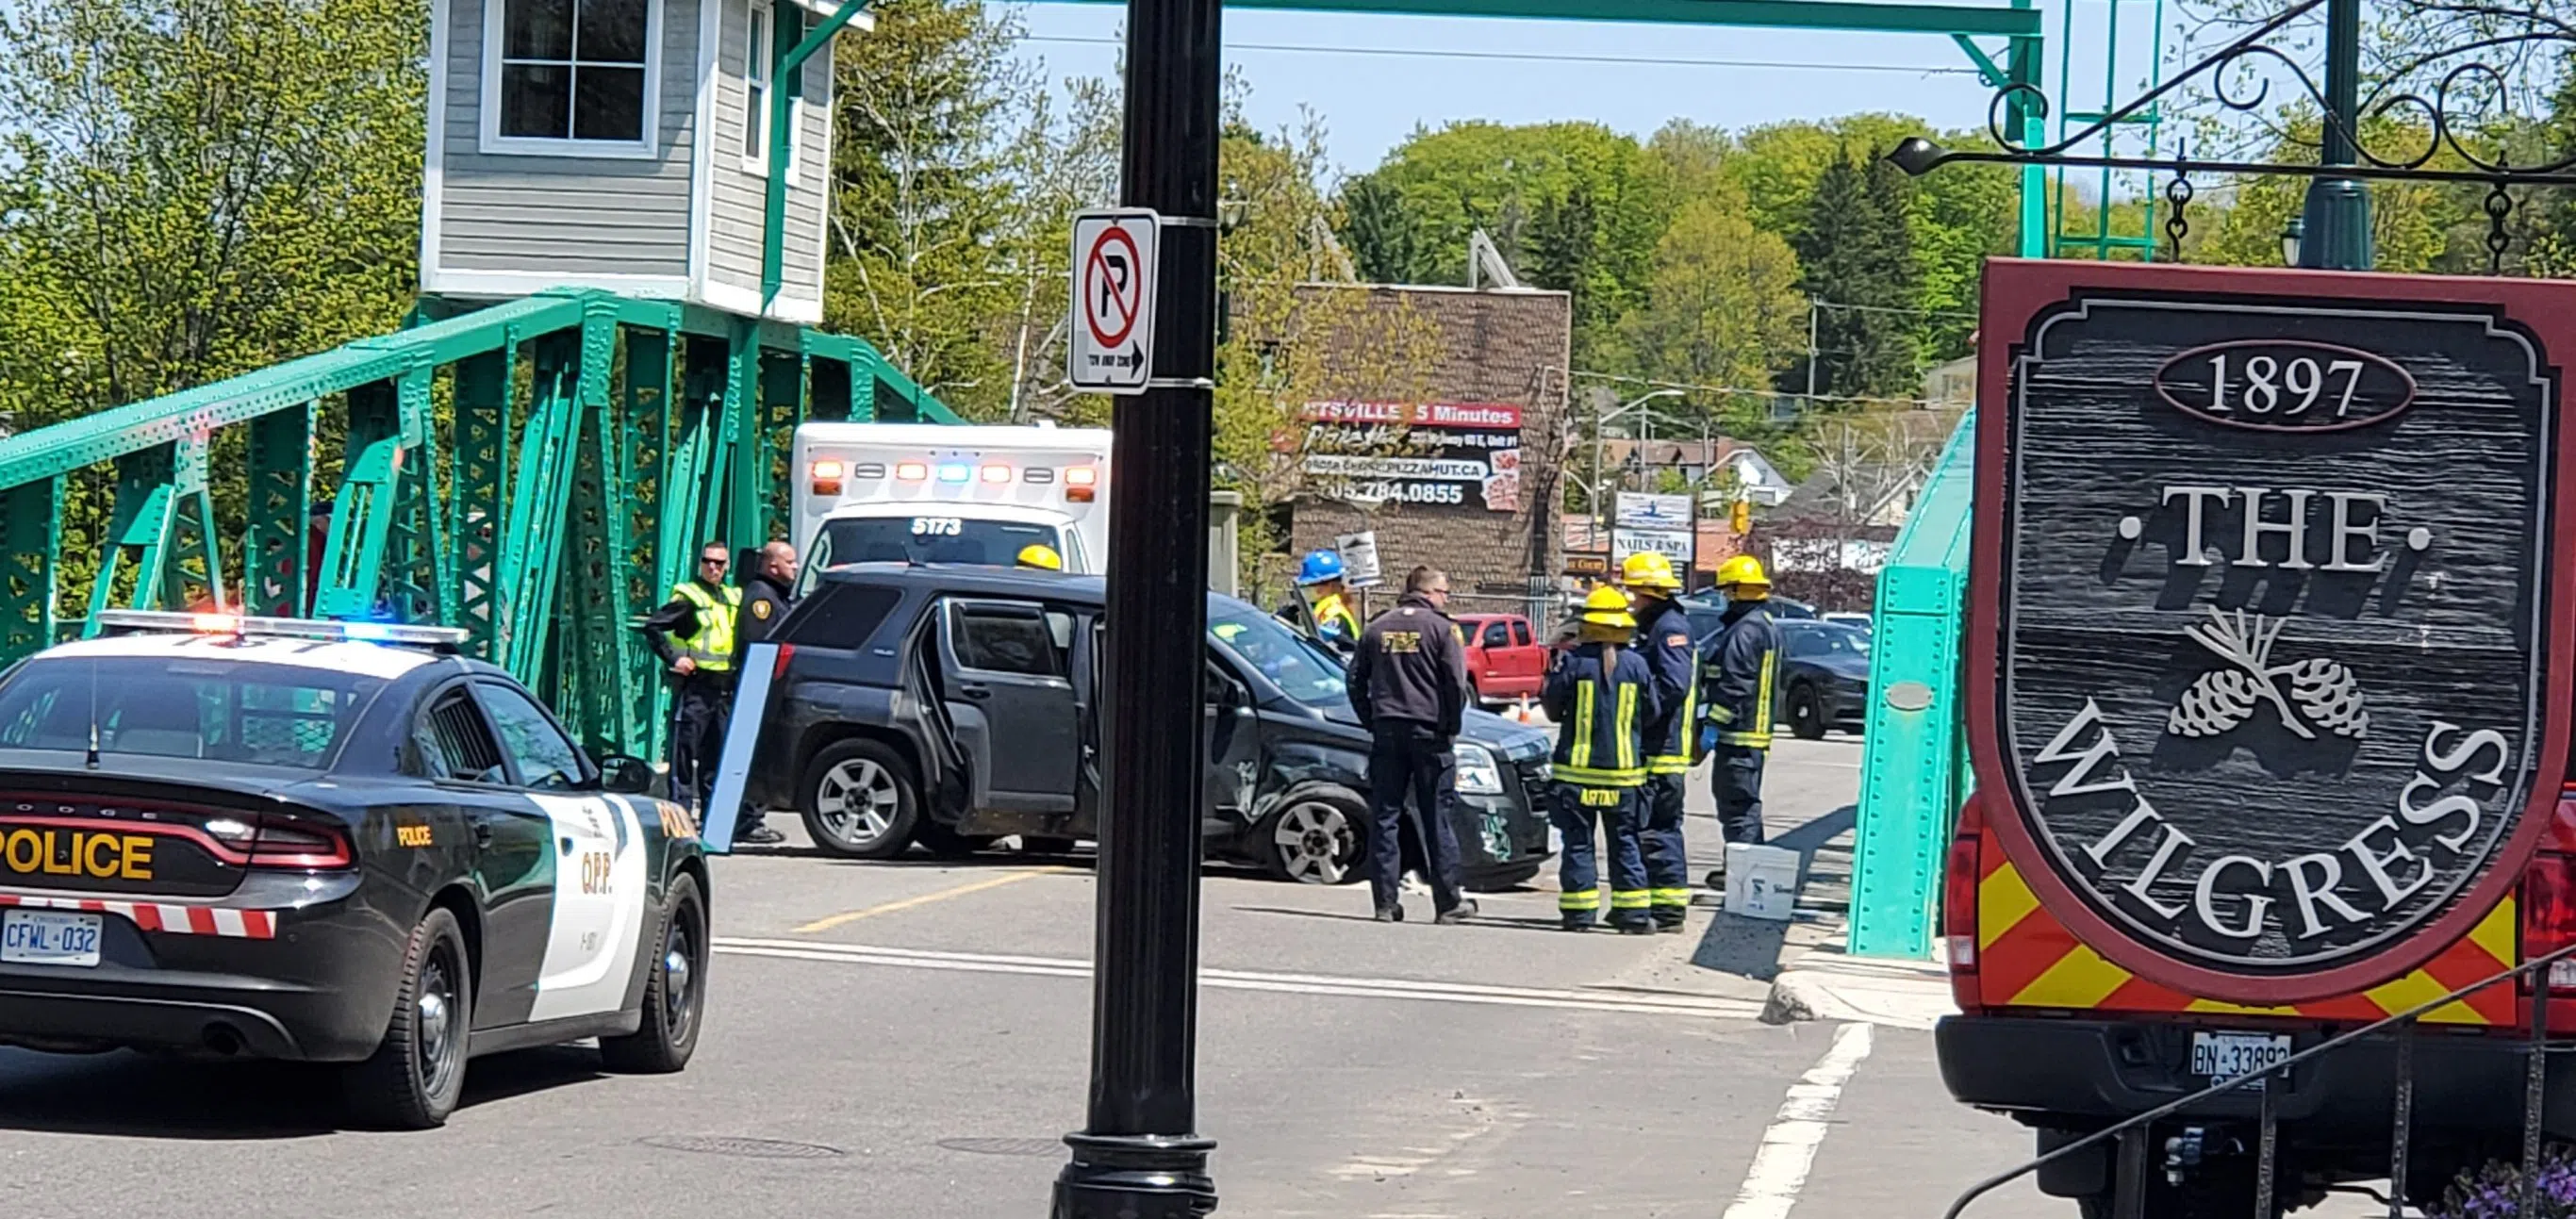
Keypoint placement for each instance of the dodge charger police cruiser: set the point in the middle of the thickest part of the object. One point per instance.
(330, 842)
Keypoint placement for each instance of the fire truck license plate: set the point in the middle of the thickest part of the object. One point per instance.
(2228, 1055)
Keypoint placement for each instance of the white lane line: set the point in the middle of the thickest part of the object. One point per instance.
(1227, 979)
(1788, 1149)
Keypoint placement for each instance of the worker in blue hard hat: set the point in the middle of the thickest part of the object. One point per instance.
(1324, 600)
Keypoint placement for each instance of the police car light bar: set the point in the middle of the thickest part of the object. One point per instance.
(443, 638)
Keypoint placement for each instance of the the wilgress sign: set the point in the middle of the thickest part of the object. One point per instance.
(2269, 633)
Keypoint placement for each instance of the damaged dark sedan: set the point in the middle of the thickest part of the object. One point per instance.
(951, 707)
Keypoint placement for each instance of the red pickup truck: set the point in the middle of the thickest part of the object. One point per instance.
(1504, 659)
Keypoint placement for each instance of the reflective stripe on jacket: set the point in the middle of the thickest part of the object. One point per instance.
(1743, 667)
(711, 647)
(1601, 699)
(1664, 639)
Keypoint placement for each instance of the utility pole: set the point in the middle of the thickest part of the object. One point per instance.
(1139, 1155)
(2336, 220)
(1814, 309)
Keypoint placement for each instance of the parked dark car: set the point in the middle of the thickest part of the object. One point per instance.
(1824, 678)
(954, 706)
(1824, 672)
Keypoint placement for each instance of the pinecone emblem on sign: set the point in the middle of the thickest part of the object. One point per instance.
(2316, 691)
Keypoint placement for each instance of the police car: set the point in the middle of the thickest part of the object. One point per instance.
(330, 842)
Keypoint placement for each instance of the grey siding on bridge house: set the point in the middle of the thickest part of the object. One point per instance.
(735, 219)
(567, 215)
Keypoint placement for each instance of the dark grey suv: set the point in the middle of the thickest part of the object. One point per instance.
(953, 706)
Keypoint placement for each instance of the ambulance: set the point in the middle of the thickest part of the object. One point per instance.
(933, 493)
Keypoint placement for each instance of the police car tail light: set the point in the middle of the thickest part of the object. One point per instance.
(779, 669)
(1959, 909)
(2549, 899)
(299, 847)
(1081, 483)
(826, 478)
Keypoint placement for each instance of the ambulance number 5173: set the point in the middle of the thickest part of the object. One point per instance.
(937, 526)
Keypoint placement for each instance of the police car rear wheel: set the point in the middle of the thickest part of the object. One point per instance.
(1316, 840)
(668, 1033)
(416, 1075)
(860, 801)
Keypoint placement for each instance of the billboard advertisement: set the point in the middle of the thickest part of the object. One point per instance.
(1456, 454)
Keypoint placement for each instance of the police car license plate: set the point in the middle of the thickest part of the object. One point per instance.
(48, 937)
(2228, 1055)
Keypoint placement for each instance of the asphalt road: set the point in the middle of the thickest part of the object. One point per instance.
(909, 1040)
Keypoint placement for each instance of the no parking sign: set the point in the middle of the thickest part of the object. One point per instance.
(1114, 252)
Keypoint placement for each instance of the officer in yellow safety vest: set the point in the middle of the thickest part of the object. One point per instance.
(693, 633)
(1601, 696)
(1743, 667)
(1664, 640)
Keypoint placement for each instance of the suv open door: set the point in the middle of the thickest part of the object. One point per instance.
(1006, 667)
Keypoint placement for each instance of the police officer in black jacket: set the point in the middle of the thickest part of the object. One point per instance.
(765, 596)
(1408, 682)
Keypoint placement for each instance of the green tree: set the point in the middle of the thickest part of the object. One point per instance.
(1291, 340)
(1722, 306)
(1856, 250)
(926, 213)
(191, 189)
(1573, 206)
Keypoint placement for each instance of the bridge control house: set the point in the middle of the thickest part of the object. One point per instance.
(623, 145)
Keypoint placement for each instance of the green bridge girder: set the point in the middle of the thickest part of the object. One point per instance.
(537, 472)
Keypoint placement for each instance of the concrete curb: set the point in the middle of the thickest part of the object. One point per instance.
(1902, 998)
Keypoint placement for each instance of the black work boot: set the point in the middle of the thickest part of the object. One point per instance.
(1390, 914)
(1454, 915)
(1577, 922)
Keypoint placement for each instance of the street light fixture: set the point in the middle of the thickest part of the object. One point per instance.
(1600, 421)
(2296, 231)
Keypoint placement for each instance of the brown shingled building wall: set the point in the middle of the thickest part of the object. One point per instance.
(1497, 347)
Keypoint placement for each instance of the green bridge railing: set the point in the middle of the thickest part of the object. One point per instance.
(1914, 770)
(537, 472)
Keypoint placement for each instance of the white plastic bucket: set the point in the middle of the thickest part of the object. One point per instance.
(1761, 882)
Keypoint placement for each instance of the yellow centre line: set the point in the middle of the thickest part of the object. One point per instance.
(993, 882)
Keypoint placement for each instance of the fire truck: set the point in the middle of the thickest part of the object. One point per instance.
(2267, 689)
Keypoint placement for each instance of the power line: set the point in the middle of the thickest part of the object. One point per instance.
(1652, 383)
(1537, 57)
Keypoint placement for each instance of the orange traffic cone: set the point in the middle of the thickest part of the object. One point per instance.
(1522, 712)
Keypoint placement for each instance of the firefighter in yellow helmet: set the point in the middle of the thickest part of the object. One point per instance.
(1743, 666)
(1664, 640)
(1602, 696)
(1040, 557)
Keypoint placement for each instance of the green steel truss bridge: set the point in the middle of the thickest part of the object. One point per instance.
(538, 472)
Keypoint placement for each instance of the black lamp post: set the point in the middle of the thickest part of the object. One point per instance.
(1138, 1155)
(2292, 234)
(2336, 235)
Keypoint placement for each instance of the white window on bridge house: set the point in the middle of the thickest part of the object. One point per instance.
(764, 37)
(624, 145)
(570, 77)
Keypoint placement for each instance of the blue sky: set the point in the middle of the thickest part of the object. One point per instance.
(1370, 102)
